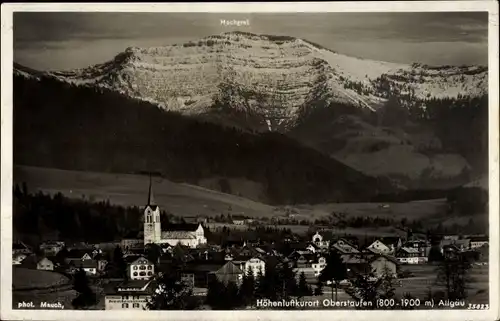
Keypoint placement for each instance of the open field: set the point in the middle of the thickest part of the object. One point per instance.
(25, 279)
(425, 278)
(131, 190)
(189, 200)
(44, 286)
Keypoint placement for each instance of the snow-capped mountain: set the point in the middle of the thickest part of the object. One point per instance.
(273, 76)
(429, 128)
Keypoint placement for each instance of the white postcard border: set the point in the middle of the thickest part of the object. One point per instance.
(7, 313)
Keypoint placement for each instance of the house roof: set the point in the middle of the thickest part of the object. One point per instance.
(33, 260)
(410, 250)
(52, 243)
(479, 239)
(345, 247)
(130, 287)
(136, 261)
(229, 268)
(353, 259)
(19, 246)
(386, 257)
(245, 258)
(131, 258)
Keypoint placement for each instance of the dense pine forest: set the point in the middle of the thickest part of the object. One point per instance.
(80, 128)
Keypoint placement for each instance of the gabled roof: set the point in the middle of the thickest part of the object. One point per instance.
(344, 247)
(381, 256)
(354, 259)
(136, 261)
(32, 260)
(19, 246)
(229, 268)
(177, 235)
(410, 250)
(130, 287)
(479, 239)
(86, 264)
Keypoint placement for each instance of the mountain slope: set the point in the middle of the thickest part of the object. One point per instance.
(83, 128)
(274, 76)
(420, 126)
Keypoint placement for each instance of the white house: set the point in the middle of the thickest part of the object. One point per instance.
(318, 240)
(89, 266)
(131, 295)
(408, 255)
(18, 258)
(344, 247)
(45, 264)
(52, 247)
(378, 247)
(478, 241)
(141, 269)
(37, 262)
(251, 264)
(319, 265)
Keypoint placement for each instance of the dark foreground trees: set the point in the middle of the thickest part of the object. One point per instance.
(170, 294)
(453, 274)
(363, 288)
(335, 271)
(85, 297)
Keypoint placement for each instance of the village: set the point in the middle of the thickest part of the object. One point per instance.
(124, 273)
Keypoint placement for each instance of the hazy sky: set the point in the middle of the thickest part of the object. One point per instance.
(66, 40)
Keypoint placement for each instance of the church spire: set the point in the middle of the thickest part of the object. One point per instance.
(151, 199)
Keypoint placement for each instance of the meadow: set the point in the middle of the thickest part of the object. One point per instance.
(190, 200)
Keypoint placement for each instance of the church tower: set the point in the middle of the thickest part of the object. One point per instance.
(152, 224)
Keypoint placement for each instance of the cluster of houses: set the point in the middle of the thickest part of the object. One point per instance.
(230, 261)
(203, 262)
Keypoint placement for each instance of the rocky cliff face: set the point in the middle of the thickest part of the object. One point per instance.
(276, 77)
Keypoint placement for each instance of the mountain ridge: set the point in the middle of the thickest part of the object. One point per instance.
(271, 70)
(364, 113)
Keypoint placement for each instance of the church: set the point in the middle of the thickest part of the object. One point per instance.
(190, 235)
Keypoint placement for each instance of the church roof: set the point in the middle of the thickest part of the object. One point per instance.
(177, 235)
(151, 199)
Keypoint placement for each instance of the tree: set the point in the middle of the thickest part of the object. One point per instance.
(318, 290)
(260, 285)
(170, 294)
(435, 254)
(222, 296)
(247, 289)
(364, 289)
(153, 252)
(334, 271)
(453, 273)
(61, 255)
(215, 293)
(288, 281)
(303, 288)
(85, 297)
(119, 264)
(386, 287)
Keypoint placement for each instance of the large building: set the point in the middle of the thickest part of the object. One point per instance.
(133, 295)
(190, 235)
